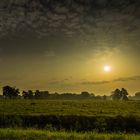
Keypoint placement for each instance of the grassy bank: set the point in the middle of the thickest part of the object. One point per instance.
(31, 134)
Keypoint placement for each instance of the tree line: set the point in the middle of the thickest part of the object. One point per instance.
(13, 92)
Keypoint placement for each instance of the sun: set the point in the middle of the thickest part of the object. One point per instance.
(107, 68)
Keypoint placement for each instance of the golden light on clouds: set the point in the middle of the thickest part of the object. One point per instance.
(98, 45)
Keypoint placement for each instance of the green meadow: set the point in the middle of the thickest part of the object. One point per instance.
(70, 107)
(69, 120)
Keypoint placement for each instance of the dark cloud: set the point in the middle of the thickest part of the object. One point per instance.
(123, 79)
(98, 22)
(44, 17)
(45, 27)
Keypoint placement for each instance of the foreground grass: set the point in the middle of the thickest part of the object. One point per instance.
(30, 134)
(75, 115)
(69, 107)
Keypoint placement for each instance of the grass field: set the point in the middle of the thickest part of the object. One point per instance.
(71, 115)
(30, 134)
(69, 107)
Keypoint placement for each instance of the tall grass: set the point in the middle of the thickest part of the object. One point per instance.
(31, 134)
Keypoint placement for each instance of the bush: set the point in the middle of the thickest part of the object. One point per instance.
(73, 123)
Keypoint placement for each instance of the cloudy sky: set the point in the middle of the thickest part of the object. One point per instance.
(62, 46)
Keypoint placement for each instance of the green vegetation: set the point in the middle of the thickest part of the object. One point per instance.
(68, 115)
(32, 134)
(69, 107)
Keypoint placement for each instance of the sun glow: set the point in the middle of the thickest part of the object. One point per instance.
(107, 68)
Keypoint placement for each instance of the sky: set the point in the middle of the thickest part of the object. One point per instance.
(63, 46)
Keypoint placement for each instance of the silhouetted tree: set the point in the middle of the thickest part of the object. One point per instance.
(10, 92)
(85, 94)
(116, 94)
(37, 92)
(28, 95)
(104, 97)
(119, 94)
(124, 94)
(25, 94)
(92, 95)
(41, 94)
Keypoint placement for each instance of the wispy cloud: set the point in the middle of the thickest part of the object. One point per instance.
(95, 82)
(122, 79)
(125, 79)
(60, 82)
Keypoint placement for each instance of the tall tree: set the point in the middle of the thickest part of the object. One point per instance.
(10, 92)
(120, 94)
(28, 95)
(124, 94)
(116, 94)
